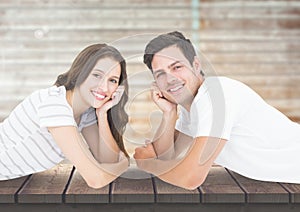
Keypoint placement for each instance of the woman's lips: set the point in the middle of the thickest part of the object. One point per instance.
(99, 95)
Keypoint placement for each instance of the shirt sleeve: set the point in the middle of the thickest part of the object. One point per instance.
(210, 117)
(183, 122)
(88, 118)
(54, 110)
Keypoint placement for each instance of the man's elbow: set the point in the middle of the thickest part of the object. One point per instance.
(193, 181)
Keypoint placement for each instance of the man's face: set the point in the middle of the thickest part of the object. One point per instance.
(175, 77)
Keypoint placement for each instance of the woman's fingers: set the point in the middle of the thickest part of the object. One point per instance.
(117, 95)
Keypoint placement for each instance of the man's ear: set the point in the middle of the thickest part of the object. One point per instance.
(197, 65)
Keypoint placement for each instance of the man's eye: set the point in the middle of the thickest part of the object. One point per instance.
(177, 67)
(159, 75)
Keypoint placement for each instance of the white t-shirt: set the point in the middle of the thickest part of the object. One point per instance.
(26, 146)
(262, 143)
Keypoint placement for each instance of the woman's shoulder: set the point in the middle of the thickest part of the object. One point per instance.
(56, 91)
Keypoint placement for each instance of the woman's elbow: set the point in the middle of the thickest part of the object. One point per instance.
(96, 184)
(96, 181)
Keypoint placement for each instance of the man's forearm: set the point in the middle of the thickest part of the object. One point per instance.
(164, 136)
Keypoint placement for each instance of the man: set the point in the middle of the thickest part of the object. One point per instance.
(221, 120)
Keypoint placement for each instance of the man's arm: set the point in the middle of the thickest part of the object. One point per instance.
(163, 141)
(192, 169)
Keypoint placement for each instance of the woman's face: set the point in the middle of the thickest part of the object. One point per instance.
(101, 83)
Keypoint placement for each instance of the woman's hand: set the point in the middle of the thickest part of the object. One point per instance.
(160, 100)
(115, 99)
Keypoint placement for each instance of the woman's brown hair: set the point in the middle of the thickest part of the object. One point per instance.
(80, 70)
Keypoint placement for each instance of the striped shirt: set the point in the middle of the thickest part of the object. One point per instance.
(26, 146)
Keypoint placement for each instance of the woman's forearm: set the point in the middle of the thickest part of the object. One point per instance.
(108, 149)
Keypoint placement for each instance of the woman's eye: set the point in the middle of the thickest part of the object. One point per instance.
(97, 75)
(114, 81)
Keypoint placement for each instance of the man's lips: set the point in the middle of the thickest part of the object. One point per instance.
(175, 88)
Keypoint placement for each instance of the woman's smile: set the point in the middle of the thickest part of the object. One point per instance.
(99, 95)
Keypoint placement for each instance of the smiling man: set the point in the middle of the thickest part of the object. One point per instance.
(221, 121)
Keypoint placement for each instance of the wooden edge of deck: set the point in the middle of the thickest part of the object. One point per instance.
(134, 186)
(220, 187)
(79, 192)
(47, 186)
(167, 193)
(260, 191)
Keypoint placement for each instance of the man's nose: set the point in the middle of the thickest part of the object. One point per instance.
(171, 78)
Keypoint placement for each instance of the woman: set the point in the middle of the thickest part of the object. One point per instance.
(45, 128)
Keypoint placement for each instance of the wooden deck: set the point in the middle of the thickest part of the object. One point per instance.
(63, 189)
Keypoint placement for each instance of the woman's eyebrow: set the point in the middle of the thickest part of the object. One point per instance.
(99, 70)
(104, 73)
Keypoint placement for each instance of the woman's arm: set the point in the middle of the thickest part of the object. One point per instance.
(77, 151)
(101, 141)
(99, 137)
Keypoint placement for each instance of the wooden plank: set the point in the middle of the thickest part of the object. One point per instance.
(9, 188)
(86, 24)
(219, 187)
(134, 186)
(92, 3)
(253, 69)
(47, 186)
(249, 24)
(212, 57)
(294, 190)
(79, 192)
(98, 13)
(253, 4)
(168, 193)
(261, 192)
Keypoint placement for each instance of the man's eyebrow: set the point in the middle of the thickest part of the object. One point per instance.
(155, 72)
(169, 66)
(172, 64)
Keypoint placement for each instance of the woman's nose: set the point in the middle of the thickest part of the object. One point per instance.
(103, 85)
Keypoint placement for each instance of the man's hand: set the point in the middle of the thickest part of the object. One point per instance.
(145, 152)
(160, 100)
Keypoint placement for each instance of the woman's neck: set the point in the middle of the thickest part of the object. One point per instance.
(76, 104)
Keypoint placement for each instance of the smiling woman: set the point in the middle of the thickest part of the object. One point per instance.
(81, 118)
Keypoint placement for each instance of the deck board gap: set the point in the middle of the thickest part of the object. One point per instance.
(21, 187)
(154, 187)
(287, 190)
(239, 184)
(67, 185)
